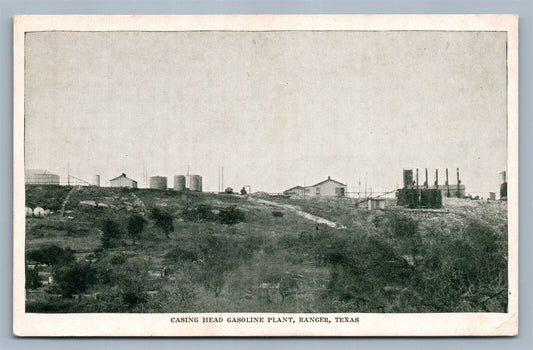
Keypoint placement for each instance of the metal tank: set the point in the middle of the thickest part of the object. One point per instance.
(195, 183)
(179, 183)
(40, 177)
(38, 212)
(97, 180)
(158, 182)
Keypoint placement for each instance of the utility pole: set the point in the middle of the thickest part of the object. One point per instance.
(365, 184)
(68, 173)
(458, 185)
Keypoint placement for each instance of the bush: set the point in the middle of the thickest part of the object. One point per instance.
(231, 216)
(111, 231)
(177, 254)
(74, 278)
(402, 226)
(32, 278)
(163, 220)
(201, 213)
(51, 255)
(135, 226)
(277, 214)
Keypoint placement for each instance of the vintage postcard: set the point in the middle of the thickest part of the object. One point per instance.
(336, 175)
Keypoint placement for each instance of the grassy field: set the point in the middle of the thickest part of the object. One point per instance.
(119, 250)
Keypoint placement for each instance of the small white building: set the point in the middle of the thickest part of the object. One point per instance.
(326, 188)
(123, 181)
(376, 203)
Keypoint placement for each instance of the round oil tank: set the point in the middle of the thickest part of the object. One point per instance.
(40, 177)
(29, 211)
(158, 182)
(97, 180)
(38, 212)
(179, 183)
(196, 183)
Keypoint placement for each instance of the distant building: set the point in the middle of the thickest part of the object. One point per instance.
(123, 181)
(376, 203)
(326, 188)
(40, 177)
(295, 191)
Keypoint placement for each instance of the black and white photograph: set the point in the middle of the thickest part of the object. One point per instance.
(266, 175)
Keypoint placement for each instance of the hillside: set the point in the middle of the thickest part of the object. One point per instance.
(121, 250)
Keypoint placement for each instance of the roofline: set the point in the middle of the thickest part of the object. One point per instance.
(124, 176)
(292, 188)
(328, 179)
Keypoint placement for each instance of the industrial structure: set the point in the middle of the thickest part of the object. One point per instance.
(40, 177)
(415, 195)
(123, 181)
(195, 183)
(503, 185)
(179, 183)
(326, 188)
(158, 182)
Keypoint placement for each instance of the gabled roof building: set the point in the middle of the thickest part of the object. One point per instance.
(326, 188)
(123, 181)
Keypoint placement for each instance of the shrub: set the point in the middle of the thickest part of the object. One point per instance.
(32, 278)
(163, 220)
(202, 212)
(74, 278)
(135, 226)
(51, 255)
(402, 225)
(231, 216)
(111, 231)
(177, 254)
(277, 214)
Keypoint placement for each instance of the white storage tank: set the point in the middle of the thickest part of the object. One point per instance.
(196, 183)
(179, 183)
(38, 212)
(158, 182)
(40, 177)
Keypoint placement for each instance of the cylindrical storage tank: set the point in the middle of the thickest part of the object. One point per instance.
(196, 183)
(29, 212)
(40, 177)
(179, 183)
(158, 182)
(97, 180)
(38, 212)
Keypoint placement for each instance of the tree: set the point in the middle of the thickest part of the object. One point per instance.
(74, 278)
(52, 255)
(135, 226)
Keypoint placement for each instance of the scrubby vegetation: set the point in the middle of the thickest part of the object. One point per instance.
(217, 253)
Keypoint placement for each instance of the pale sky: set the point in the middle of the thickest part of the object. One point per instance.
(274, 108)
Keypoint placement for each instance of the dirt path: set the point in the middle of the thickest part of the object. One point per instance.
(299, 212)
(66, 201)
